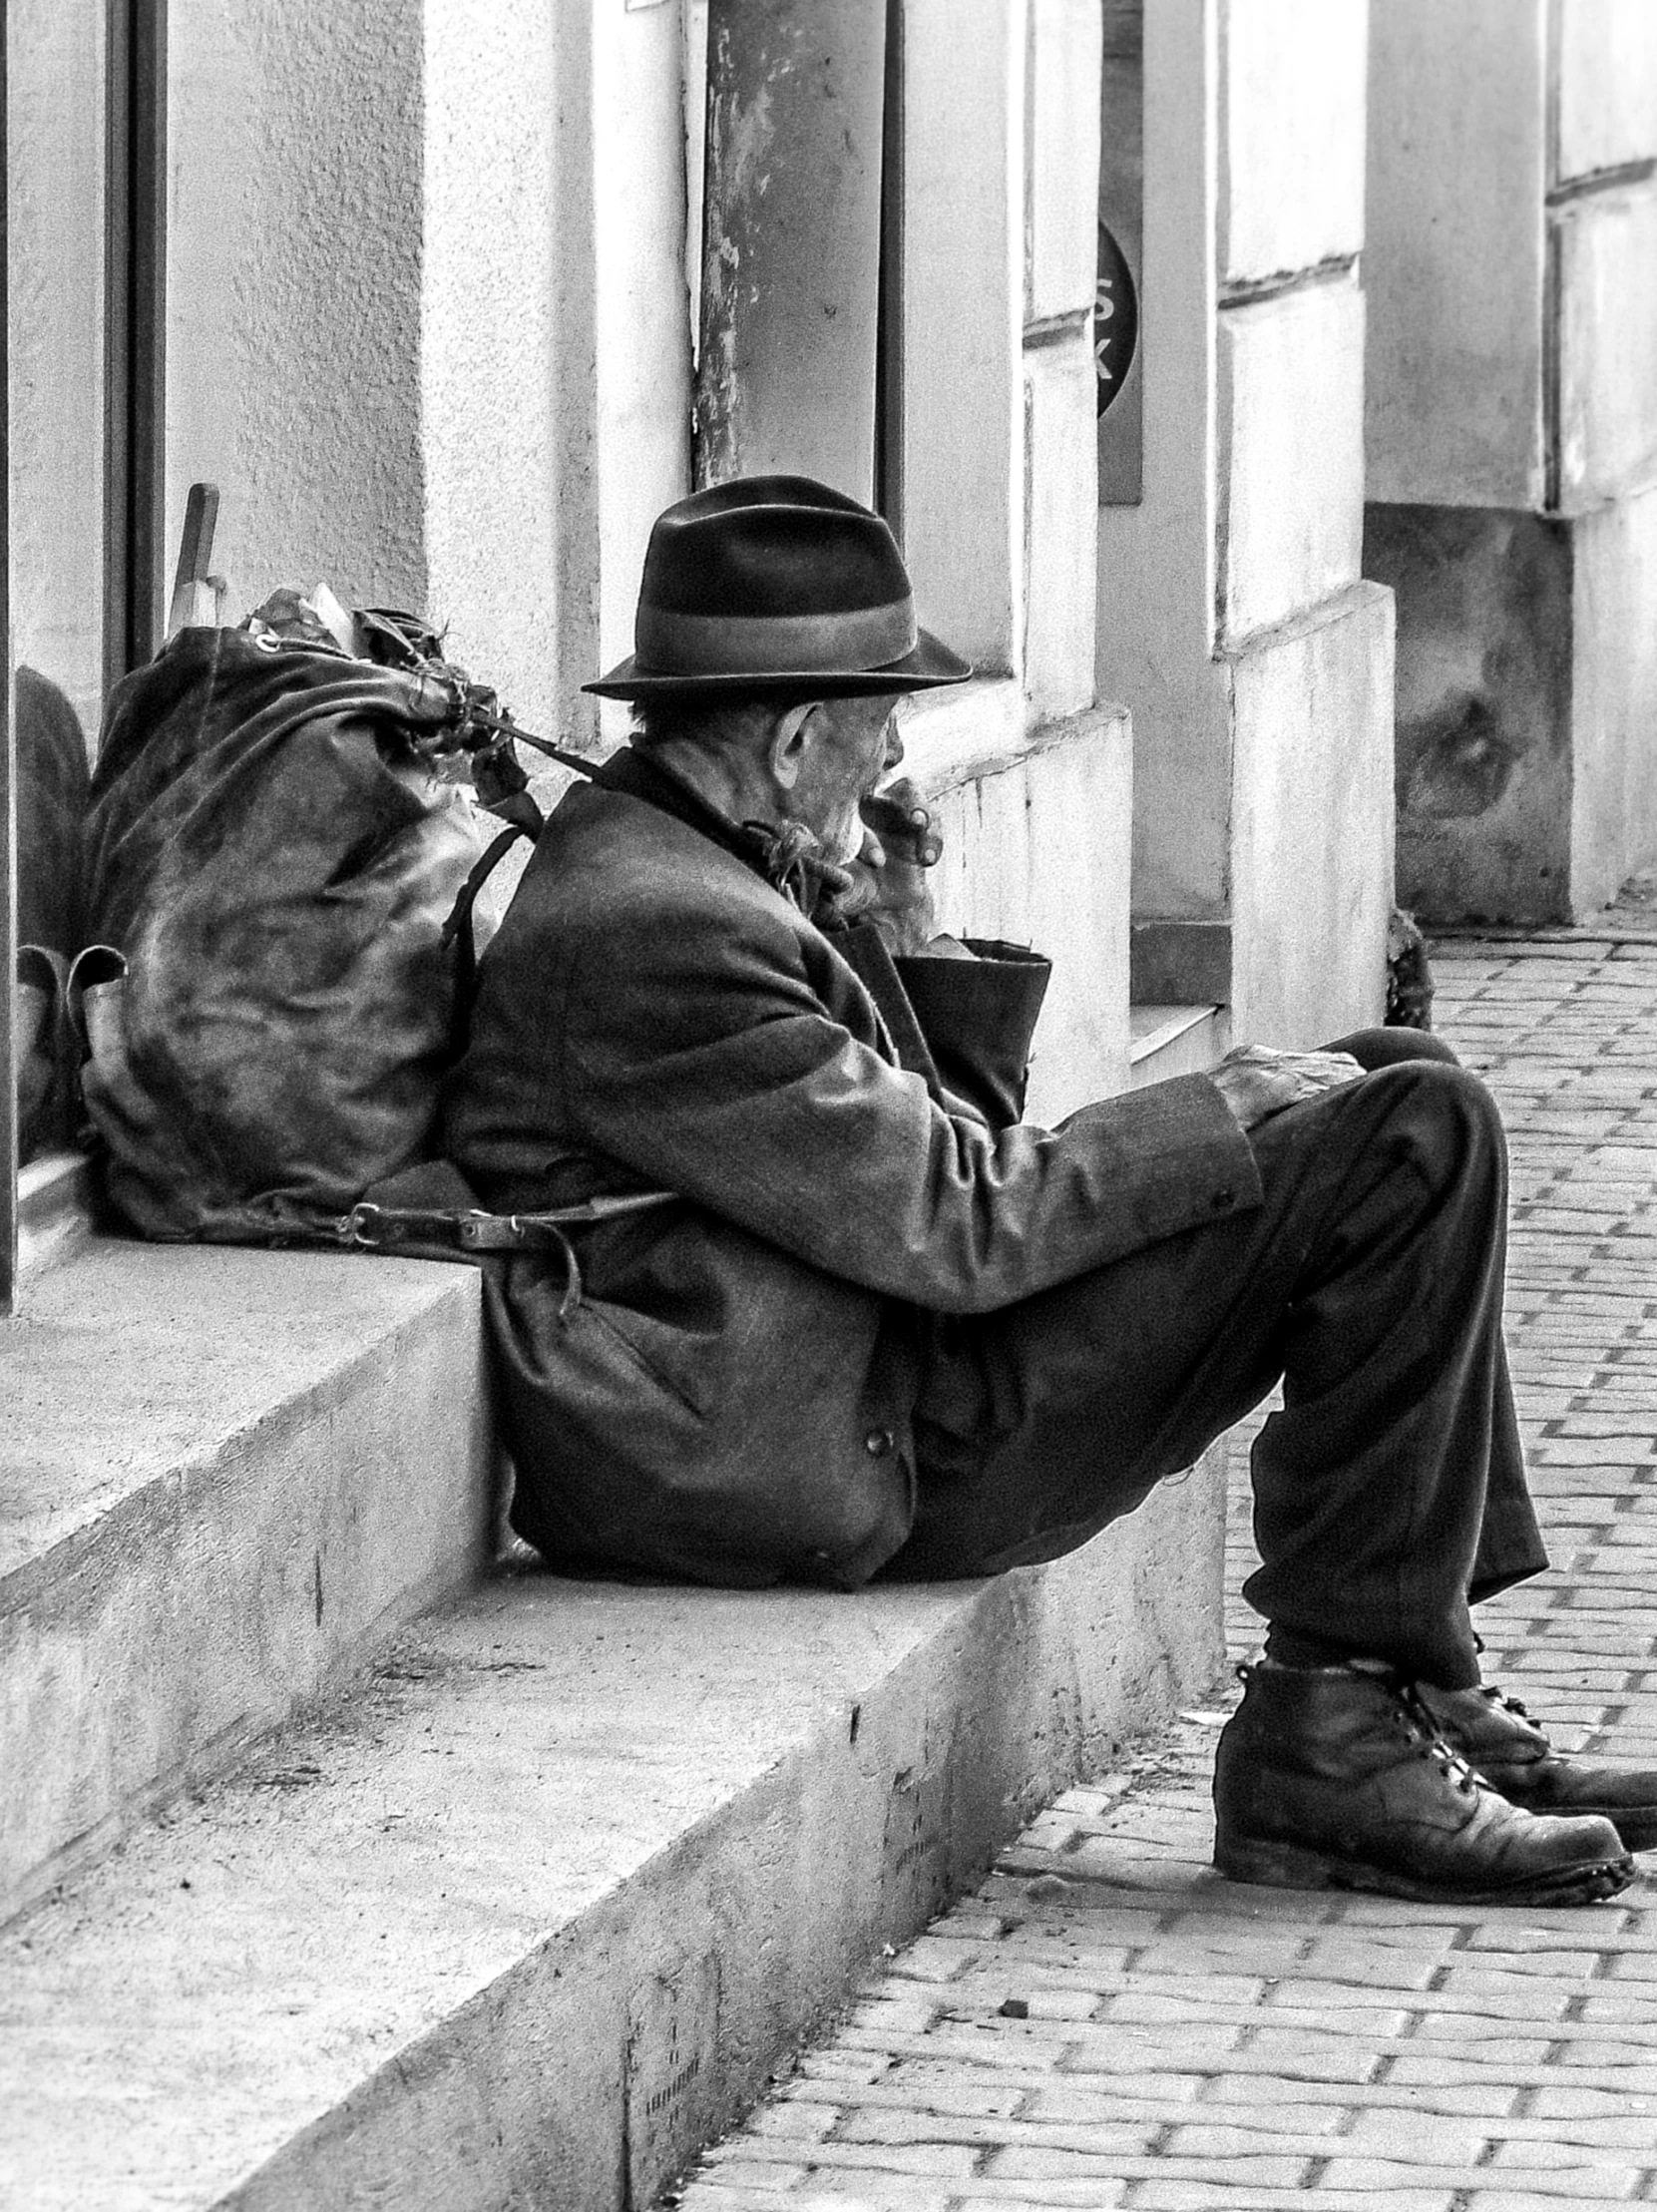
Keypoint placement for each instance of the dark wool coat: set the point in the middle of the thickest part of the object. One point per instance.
(730, 1397)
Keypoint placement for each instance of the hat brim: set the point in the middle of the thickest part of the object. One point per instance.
(930, 665)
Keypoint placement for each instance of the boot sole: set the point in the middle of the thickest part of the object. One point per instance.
(1283, 1866)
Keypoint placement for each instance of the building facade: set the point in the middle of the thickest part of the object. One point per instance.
(1511, 435)
(449, 299)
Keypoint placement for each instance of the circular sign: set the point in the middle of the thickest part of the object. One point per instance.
(1116, 320)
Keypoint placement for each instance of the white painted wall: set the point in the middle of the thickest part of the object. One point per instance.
(1061, 155)
(1605, 248)
(427, 320)
(1312, 822)
(642, 397)
(1061, 388)
(1453, 259)
(963, 286)
(1613, 827)
(295, 196)
(1290, 527)
(1291, 170)
(489, 345)
(54, 258)
(1607, 85)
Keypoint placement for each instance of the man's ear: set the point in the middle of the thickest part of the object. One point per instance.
(793, 734)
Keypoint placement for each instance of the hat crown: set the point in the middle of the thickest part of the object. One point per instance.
(780, 546)
(779, 580)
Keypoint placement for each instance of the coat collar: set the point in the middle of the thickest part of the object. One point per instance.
(787, 858)
(800, 878)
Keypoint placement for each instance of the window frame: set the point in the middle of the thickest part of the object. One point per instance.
(135, 295)
(133, 429)
(8, 764)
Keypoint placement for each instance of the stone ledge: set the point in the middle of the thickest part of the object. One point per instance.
(55, 1209)
(221, 1473)
(528, 1916)
(957, 735)
(1170, 1041)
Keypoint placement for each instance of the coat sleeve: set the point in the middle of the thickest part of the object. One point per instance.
(710, 1058)
(979, 1017)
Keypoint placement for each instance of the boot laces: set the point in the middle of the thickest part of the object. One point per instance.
(1414, 1721)
(1417, 1723)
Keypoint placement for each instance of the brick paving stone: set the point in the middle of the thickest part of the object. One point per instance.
(1191, 2046)
(1226, 2196)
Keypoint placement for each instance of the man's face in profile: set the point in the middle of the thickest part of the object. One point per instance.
(851, 744)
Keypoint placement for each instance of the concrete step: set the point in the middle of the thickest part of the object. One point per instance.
(223, 1474)
(56, 1200)
(1169, 1040)
(526, 1915)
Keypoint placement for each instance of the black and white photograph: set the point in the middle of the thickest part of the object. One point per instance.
(828, 1106)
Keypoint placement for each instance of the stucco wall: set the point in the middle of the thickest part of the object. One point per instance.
(1605, 306)
(1312, 861)
(54, 263)
(642, 312)
(1291, 165)
(1607, 85)
(489, 344)
(1455, 254)
(427, 322)
(294, 195)
(1614, 706)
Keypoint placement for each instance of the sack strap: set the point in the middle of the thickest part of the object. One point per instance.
(439, 1232)
(523, 818)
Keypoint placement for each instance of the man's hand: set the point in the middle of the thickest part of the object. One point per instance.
(1257, 1081)
(890, 883)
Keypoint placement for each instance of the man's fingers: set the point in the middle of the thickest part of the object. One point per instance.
(1329, 1068)
(904, 821)
(1324, 1069)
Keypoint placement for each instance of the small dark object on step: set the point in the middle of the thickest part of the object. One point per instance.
(1409, 978)
(1014, 2009)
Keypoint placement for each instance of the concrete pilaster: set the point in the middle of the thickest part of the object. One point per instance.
(1511, 440)
(1231, 612)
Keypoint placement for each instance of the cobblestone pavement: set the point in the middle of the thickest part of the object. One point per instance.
(1107, 2023)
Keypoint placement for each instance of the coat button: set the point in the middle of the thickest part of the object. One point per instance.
(878, 1442)
(1222, 1199)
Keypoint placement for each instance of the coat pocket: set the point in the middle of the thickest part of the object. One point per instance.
(634, 1334)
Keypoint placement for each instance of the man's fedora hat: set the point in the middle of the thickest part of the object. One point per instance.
(775, 584)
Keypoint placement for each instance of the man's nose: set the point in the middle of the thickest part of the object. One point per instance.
(894, 743)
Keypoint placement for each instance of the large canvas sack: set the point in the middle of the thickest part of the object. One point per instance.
(277, 834)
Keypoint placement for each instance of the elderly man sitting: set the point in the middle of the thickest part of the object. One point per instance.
(859, 1320)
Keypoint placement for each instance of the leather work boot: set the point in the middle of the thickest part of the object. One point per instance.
(1334, 1778)
(1497, 1735)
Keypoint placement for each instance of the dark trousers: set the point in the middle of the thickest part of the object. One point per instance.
(1390, 1490)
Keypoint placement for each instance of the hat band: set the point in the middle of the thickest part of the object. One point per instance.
(765, 644)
